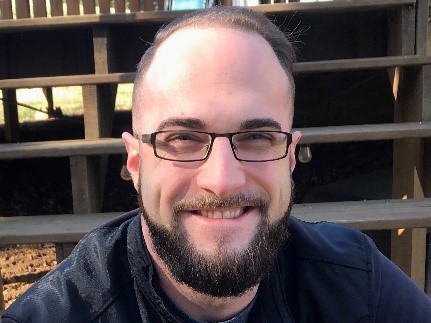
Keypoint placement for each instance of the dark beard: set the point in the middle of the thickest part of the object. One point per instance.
(227, 273)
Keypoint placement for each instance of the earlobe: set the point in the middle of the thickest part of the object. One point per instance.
(132, 148)
(296, 136)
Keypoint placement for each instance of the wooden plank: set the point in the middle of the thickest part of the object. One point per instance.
(408, 250)
(105, 6)
(22, 9)
(363, 215)
(89, 7)
(148, 5)
(106, 146)
(50, 228)
(119, 6)
(39, 8)
(149, 16)
(87, 188)
(63, 250)
(62, 148)
(6, 9)
(89, 79)
(72, 7)
(357, 64)
(56, 8)
(368, 132)
(134, 5)
(299, 68)
(369, 215)
(10, 110)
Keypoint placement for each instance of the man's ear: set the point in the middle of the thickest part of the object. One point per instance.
(296, 136)
(132, 147)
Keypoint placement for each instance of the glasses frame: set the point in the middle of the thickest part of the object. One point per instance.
(150, 138)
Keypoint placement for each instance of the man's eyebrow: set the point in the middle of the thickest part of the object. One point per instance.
(260, 123)
(191, 123)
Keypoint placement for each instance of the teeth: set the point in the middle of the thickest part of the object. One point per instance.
(228, 214)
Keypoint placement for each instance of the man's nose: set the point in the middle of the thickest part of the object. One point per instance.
(221, 173)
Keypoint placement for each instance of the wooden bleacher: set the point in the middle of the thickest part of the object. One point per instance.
(395, 39)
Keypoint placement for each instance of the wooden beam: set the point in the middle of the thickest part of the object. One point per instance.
(61, 148)
(164, 16)
(408, 153)
(10, 110)
(299, 68)
(106, 146)
(6, 10)
(368, 132)
(56, 8)
(362, 215)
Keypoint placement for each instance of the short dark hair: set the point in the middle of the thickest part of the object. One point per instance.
(238, 18)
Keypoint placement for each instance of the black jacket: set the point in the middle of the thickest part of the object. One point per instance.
(327, 273)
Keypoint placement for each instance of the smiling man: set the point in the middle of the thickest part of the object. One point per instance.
(211, 158)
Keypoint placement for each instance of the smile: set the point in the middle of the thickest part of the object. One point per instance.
(221, 214)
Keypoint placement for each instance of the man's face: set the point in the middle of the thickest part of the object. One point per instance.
(215, 80)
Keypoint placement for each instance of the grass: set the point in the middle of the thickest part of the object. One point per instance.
(68, 99)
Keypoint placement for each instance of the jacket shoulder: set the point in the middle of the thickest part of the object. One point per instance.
(86, 283)
(332, 244)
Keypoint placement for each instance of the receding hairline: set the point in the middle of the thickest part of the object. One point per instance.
(233, 18)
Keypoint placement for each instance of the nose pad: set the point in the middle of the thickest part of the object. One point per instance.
(222, 174)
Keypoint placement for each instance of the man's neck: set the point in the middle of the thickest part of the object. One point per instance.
(194, 304)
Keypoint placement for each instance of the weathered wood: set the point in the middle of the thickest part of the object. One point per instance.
(89, 7)
(134, 5)
(69, 80)
(149, 16)
(22, 9)
(62, 250)
(364, 132)
(39, 8)
(408, 153)
(86, 190)
(362, 215)
(105, 6)
(10, 110)
(6, 9)
(106, 146)
(119, 6)
(62, 228)
(99, 105)
(72, 7)
(56, 8)
(148, 5)
(299, 68)
(62, 148)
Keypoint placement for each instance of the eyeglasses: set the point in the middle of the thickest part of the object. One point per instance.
(189, 146)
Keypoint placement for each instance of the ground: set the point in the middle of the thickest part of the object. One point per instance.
(22, 265)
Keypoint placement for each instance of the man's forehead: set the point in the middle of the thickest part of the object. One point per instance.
(191, 50)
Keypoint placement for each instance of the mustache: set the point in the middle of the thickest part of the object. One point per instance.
(212, 202)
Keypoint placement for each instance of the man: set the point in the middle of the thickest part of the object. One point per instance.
(211, 159)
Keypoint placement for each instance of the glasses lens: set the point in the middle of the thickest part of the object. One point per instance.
(182, 145)
(260, 145)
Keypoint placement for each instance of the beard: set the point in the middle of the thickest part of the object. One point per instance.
(228, 273)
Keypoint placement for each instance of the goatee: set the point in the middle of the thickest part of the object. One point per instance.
(227, 273)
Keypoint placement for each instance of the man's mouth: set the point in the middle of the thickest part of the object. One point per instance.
(222, 213)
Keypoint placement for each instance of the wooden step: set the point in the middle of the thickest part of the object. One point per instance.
(389, 131)
(301, 68)
(106, 146)
(363, 215)
(159, 17)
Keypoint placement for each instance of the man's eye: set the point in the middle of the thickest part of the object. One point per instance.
(256, 136)
(183, 137)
